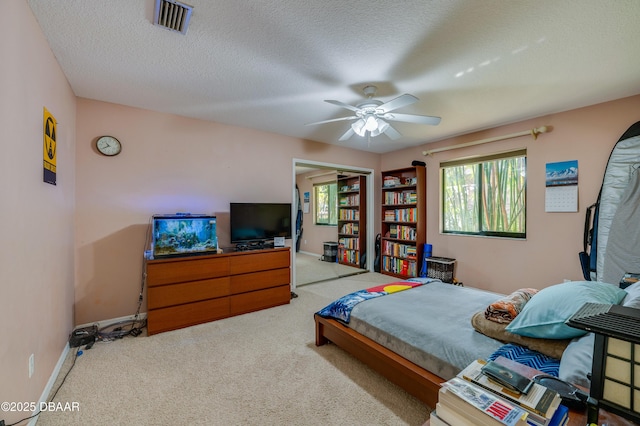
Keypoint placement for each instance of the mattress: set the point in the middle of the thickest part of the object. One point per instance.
(429, 325)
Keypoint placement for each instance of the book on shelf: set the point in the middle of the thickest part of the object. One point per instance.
(462, 403)
(560, 418)
(540, 402)
(435, 420)
(452, 417)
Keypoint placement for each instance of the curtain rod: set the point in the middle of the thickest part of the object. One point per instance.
(533, 132)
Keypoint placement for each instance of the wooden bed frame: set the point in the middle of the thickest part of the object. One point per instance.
(417, 381)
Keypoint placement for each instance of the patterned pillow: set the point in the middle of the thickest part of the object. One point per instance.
(504, 310)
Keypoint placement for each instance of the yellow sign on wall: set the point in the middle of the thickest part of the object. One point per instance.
(49, 145)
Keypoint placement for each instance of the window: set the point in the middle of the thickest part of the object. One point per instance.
(326, 203)
(485, 196)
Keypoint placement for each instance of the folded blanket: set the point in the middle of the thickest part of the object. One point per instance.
(550, 347)
(504, 310)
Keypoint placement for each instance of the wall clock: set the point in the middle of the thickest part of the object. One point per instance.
(108, 145)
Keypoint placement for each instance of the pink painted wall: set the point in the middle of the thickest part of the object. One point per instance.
(36, 219)
(550, 252)
(168, 164)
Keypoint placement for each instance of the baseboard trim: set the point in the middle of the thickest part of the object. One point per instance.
(50, 383)
(65, 352)
(108, 322)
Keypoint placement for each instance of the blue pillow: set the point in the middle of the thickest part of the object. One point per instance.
(545, 314)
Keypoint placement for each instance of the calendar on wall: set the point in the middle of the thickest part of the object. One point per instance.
(561, 194)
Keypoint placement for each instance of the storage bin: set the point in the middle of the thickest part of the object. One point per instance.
(441, 268)
(330, 251)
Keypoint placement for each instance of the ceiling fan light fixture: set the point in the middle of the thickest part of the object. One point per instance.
(371, 115)
(358, 127)
(371, 123)
(382, 127)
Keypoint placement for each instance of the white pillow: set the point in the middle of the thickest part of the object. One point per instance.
(632, 299)
(576, 361)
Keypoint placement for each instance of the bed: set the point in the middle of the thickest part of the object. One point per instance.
(421, 336)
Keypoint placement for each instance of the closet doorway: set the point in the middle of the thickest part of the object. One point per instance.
(308, 266)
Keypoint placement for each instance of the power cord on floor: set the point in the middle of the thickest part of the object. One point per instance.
(119, 330)
(77, 354)
(137, 325)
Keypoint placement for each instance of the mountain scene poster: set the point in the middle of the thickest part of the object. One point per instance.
(562, 173)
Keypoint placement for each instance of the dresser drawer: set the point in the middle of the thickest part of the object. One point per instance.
(260, 280)
(252, 262)
(178, 294)
(161, 272)
(174, 317)
(261, 299)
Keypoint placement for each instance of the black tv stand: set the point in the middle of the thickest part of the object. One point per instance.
(255, 245)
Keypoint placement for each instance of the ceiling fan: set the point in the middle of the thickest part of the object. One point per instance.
(373, 115)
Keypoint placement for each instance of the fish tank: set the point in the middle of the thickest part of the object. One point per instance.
(183, 235)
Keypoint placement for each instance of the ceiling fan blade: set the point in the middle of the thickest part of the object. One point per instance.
(347, 134)
(399, 102)
(332, 120)
(392, 133)
(343, 105)
(411, 118)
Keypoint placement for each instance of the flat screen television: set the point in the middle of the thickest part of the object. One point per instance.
(184, 235)
(259, 222)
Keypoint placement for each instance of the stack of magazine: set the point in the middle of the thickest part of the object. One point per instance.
(492, 393)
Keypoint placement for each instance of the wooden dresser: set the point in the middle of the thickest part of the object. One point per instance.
(192, 290)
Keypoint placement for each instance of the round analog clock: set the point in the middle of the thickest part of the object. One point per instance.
(108, 145)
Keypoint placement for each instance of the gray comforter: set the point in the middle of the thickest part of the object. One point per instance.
(429, 325)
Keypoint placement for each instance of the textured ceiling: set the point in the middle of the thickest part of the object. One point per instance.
(269, 65)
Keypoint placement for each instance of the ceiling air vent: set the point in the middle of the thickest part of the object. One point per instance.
(172, 15)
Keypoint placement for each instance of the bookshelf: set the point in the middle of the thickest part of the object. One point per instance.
(352, 219)
(404, 224)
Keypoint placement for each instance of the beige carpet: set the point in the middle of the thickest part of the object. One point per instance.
(310, 269)
(260, 368)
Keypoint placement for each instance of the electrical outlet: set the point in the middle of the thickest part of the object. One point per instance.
(32, 363)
